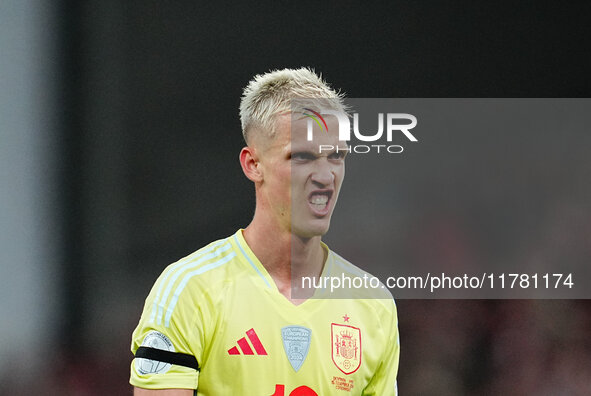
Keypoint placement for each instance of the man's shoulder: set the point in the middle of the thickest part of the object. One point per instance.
(355, 282)
(205, 267)
(346, 266)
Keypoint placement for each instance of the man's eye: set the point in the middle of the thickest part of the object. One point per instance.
(337, 155)
(302, 156)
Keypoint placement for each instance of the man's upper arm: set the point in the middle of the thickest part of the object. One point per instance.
(383, 382)
(167, 342)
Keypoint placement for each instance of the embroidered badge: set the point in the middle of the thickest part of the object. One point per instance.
(154, 339)
(296, 342)
(346, 347)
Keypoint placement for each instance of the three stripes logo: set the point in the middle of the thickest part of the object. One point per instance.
(244, 347)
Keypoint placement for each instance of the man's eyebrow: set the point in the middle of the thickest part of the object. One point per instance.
(304, 151)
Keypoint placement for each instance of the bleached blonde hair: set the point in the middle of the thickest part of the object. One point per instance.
(271, 94)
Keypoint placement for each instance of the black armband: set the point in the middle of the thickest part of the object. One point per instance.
(180, 359)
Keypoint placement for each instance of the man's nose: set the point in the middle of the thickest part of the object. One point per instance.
(323, 173)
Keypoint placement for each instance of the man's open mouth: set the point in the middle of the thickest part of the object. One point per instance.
(319, 200)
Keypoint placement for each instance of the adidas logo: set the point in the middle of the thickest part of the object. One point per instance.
(244, 345)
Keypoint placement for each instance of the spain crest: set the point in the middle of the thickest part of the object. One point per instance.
(346, 347)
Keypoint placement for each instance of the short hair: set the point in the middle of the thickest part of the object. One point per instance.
(270, 94)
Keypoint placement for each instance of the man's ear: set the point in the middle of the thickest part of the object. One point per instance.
(250, 164)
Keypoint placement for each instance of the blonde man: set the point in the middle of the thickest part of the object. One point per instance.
(232, 318)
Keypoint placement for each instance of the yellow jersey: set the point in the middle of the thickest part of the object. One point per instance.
(216, 322)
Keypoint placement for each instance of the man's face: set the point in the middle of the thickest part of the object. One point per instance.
(302, 184)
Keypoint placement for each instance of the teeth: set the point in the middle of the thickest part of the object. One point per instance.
(319, 199)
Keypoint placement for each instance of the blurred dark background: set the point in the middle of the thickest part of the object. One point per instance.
(120, 137)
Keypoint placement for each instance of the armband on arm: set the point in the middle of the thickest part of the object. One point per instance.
(180, 359)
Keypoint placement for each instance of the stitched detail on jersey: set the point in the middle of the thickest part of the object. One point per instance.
(188, 277)
(253, 265)
(177, 269)
(180, 359)
(346, 347)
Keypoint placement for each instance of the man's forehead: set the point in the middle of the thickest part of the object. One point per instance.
(311, 131)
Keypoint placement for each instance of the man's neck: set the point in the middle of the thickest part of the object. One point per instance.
(285, 256)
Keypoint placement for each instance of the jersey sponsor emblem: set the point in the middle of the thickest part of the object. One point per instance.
(157, 340)
(346, 347)
(296, 343)
(245, 346)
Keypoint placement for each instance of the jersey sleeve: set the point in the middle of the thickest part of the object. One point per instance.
(168, 341)
(383, 383)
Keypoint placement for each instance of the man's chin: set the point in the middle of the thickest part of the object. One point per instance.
(311, 230)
